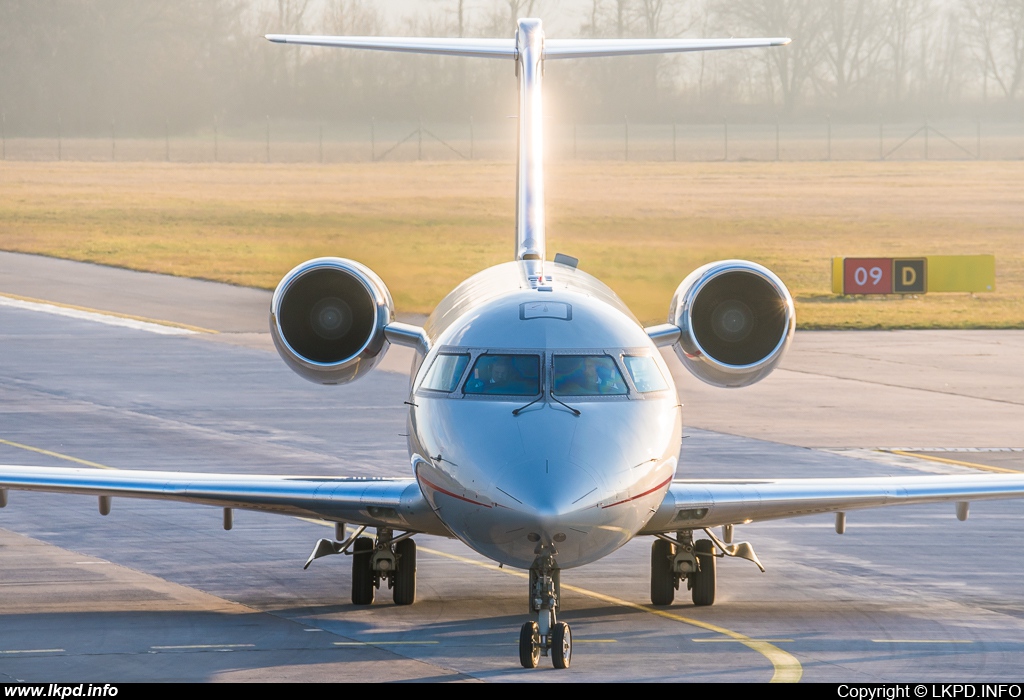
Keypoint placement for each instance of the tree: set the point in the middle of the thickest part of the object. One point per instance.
(851, 44)
(997, 27)
(789, 68)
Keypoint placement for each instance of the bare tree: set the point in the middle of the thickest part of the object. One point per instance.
(997, 28)
(904, 21)
(518, 9)
(790, 68)
(851, 43)
(945, 70)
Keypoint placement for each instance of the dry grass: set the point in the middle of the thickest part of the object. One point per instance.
(639, 226)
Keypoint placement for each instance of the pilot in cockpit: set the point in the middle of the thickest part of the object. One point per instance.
(590, 375)
(500, 374)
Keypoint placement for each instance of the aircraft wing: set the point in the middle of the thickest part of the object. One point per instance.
(698, 503)
(371, 501)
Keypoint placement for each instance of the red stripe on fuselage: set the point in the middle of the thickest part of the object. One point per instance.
(627, 500)
(453, 495)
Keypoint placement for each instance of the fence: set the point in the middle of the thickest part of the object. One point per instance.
(291, 142)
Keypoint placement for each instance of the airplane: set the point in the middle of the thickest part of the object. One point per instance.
(544, 424)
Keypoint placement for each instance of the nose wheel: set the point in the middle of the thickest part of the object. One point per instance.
(529, 645)
(561, 645)
(545, 636)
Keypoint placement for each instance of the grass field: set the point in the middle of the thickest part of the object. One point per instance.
(641, 227)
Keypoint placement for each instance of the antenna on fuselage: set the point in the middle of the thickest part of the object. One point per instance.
(529, 49)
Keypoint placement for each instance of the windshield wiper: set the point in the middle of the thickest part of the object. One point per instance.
(575, 412)
(517, 411)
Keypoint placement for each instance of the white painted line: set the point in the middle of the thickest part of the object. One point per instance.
(577, 640)
(32, 651)
(922, 641)
(379, 644)
(207, 646)
(94, 316)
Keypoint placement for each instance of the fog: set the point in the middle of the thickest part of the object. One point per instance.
(151, 66)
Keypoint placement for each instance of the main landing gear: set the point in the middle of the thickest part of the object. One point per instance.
(545, 635)
(673, 561)
(390, 560)
(384, 559)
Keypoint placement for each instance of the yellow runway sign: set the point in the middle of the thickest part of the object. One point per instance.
(932, 273)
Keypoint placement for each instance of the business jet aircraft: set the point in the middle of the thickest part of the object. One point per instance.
(544, 427)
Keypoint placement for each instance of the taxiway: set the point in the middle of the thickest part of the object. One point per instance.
(158, 591)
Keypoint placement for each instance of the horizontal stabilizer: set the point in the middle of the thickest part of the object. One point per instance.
(506, 48)
(595, 48)
(487, 48)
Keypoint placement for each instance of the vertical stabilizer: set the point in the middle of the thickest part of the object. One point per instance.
(530, 165)
(529, 50)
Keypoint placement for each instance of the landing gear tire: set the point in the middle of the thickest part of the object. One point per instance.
(529, 645)
(663, 581)
(561, 645)
(362, 573)
(703, 588)
(404, 589)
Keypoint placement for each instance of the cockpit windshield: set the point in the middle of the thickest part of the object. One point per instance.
(597, 374)
(645, 373)
(508, 375)
(445, 373)
(586, 375)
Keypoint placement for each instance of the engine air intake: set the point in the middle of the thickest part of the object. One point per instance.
(736, 320)
(328, 317)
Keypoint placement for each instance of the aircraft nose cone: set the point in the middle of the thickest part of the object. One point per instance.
(547, 489)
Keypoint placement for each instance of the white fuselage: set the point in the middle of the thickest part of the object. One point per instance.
(545, 481)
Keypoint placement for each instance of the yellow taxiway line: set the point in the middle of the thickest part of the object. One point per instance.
(58, 455)
(787, 667)
(101, 312)
(959, 463)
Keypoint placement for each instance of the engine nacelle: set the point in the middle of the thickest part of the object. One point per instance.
(327, 319)
(736, 320)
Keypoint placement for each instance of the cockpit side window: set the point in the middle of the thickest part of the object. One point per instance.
(645, 373)
(508, 375)
(586, 375)
(444, 374)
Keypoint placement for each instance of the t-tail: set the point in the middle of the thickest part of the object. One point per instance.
(529, 49)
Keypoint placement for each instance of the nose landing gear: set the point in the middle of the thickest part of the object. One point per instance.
(545, 635)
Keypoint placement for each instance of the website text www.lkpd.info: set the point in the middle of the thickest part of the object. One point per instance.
(61, 690)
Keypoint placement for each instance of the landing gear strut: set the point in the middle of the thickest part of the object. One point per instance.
(673, 561)
(545, 635)
(390, 560)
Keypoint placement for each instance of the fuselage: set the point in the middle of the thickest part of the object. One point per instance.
(543, 421)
